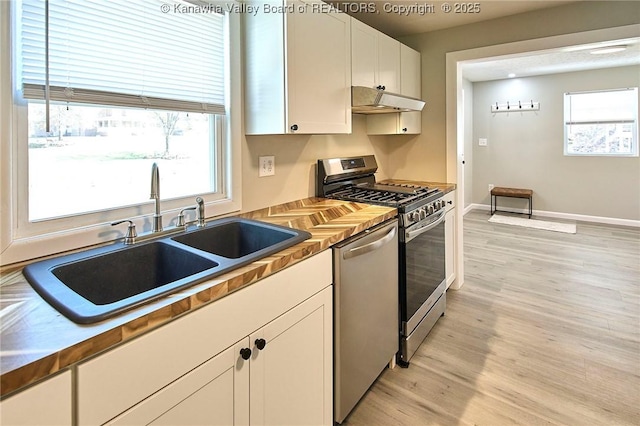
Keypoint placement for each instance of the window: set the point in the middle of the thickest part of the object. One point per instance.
(601, 123)
(102, 90)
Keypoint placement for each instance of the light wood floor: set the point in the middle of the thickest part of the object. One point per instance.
(546, 330)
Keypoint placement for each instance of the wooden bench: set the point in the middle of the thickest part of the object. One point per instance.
(513, 193)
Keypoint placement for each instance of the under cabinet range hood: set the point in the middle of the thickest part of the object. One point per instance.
(367, 100)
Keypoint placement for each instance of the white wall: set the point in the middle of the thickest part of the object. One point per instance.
(424, 157)
(525, 149)
(295, 160)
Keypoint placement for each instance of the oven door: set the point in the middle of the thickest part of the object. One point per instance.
(422, 263)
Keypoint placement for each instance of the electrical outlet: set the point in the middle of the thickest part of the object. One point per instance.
(267, 166)
(490, 186)
(482, 141)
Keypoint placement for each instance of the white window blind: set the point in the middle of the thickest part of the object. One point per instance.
(111, 52)
(615, 106)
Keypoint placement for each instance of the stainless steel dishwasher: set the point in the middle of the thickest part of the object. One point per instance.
(366, 320)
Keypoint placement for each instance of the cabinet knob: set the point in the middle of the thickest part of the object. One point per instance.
(260, 344)
(245, 353)
(294, 127)
(405, 130)
(380, 87)
(449, 202)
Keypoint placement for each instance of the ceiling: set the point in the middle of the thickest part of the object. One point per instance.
(575, 58)
(390, 18)
(401, 18)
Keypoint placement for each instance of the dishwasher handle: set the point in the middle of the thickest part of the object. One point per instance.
(367, 248)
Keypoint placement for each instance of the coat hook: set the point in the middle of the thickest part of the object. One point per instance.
(519, 105)
(531, 103)
(508, 107)
(497, 107)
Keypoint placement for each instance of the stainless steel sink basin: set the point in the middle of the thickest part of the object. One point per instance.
(97, 284)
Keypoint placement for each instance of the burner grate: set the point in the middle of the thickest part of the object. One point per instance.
(382, 194)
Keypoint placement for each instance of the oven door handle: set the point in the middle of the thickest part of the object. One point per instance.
(410, 235)
(367, 248)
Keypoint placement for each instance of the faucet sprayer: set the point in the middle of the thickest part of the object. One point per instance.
(155, 195)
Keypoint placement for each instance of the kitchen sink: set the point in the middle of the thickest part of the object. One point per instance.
(100, 283)
(238, 238)
(97, 284)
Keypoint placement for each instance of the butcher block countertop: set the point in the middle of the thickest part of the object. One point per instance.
(37, 341)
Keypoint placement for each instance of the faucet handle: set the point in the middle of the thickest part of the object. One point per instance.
(181, 221)
(130, 236)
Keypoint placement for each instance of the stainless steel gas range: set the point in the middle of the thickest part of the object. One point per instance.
(421, 281)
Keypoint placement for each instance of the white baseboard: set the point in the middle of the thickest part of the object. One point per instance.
(569, 216)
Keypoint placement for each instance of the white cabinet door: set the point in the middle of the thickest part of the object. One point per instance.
(291, 377)
(319, 73)
(364, 54)
(403, 123)
(375, 58)
(46, 403)
(215, 393)
(410, 72)
(297, 70)
(389, 63)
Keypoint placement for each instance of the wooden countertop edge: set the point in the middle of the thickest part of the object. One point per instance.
(132, 324)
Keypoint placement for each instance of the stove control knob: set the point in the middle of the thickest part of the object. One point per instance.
(431, 209)
(415, 216)
(423, 213)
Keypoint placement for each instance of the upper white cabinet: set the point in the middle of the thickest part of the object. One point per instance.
(402, 123)
(375, 58)
(297, 69)
(381, 62)
(410, 74)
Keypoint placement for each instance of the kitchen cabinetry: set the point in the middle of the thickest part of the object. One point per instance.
(196, 368)
(375, 58)
(46, 403)
(297, 70)
(410, 85)
(450, 237)
(216, 393)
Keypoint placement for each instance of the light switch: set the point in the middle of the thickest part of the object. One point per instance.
(482, 141)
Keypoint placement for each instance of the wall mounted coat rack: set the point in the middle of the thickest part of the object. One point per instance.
(515, 106)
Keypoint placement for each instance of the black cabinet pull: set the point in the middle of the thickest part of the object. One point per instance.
(294, 127)
(405, 130)
(245, 353)
(449, 202)
(260, 344)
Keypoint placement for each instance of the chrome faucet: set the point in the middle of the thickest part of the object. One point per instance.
(200, 202)
(155, 195)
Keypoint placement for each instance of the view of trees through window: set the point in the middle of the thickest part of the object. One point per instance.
(601, 123)
(97, 158)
